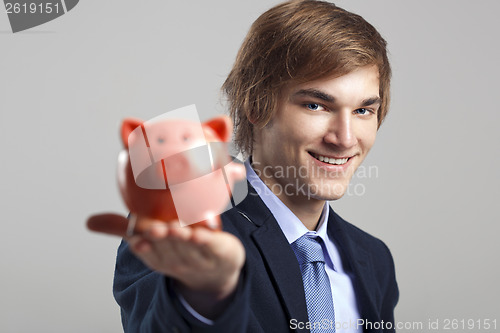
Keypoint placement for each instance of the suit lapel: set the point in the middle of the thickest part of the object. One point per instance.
(285, 273)
(357, 257)
(278, 256)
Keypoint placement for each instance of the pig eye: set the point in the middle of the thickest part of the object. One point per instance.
(186, 137)
(161, 140)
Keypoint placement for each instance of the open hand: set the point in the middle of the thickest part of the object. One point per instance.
(205, 263)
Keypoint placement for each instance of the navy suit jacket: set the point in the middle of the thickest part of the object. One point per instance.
(270, 292)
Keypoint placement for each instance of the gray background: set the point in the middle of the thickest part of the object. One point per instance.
(66, 85)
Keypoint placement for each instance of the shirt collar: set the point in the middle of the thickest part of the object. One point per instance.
(291, 226)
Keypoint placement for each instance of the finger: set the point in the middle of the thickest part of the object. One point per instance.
(202, 236)
(204, 239)
(165, 238)
(180, 233)
(138, 244)
(157, 231)
(144, 250)
(142, 247)
(143, 223)
(112, 224)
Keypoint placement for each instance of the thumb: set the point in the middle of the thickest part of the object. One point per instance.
(112, 224)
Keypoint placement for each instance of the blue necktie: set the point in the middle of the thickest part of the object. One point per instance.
(317, 288)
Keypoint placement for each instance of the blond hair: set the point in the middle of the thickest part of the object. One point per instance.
(296, 42)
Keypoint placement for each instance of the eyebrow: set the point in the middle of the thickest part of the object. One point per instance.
(315, 93)
(371, 101)
(330, 99)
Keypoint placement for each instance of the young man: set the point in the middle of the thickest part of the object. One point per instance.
(307, 93)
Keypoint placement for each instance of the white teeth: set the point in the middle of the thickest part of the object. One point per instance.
(336, 161)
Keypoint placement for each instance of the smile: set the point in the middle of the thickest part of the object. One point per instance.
(330, 160)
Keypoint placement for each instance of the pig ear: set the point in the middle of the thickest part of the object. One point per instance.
(221, 126)
(128, 125)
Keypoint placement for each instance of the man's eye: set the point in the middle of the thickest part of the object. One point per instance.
(362, 111)
(314, 107)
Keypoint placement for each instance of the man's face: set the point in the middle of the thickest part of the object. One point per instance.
(320, 134)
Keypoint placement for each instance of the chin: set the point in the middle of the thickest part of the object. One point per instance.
(324, 197)
(328, 192)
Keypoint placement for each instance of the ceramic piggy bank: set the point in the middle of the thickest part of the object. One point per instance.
(177, 169)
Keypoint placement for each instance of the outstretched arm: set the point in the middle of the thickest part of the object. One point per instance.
(204, 266)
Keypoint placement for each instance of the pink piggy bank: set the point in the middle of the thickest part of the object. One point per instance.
(176, 169)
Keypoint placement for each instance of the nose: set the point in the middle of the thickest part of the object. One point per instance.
(340, 131)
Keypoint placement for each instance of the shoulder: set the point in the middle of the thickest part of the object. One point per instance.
(363, 247)
(354, 233)
(247, 215)
(369, 258)
(238, 222)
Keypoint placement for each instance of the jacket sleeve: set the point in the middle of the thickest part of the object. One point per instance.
(148, 303)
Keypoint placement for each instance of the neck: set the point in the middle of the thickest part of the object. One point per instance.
(308, 210)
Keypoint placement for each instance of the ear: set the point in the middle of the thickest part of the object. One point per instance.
(128, 125)
(221, 126)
